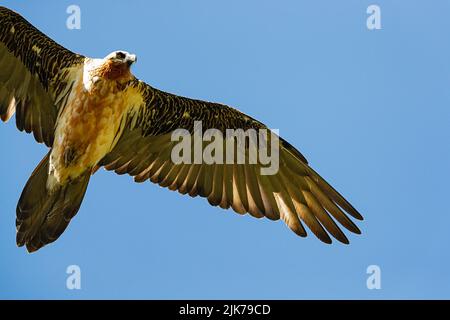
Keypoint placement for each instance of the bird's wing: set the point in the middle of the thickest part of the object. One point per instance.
(35, 76)
(296, 193)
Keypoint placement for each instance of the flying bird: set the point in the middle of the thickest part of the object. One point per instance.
(94, 113)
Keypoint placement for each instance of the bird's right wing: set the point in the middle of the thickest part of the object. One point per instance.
(35, 76)
(294, 193)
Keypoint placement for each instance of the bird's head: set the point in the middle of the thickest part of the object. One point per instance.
(121, 58)
(116, 66)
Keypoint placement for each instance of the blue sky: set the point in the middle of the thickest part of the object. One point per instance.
(369, 109)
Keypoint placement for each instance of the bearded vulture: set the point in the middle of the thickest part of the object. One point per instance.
(94, 113)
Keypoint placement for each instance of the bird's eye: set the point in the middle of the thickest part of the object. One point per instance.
(120, 55)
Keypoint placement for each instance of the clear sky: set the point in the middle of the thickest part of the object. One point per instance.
(370, 109)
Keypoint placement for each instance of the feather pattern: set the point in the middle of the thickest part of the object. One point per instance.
(296, 193)
(36, 75)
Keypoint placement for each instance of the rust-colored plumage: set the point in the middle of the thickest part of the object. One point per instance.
(113, 71)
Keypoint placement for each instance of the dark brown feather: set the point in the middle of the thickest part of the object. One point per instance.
(295, 194)
(34, 76)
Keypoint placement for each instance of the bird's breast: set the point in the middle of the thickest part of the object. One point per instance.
(86, 128)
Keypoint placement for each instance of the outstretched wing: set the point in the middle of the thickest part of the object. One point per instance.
(35, 76)
(296, 193)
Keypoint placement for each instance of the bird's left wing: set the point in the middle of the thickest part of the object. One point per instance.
(295, 193)
(35, 76)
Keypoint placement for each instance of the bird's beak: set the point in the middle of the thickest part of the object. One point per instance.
(131, 59)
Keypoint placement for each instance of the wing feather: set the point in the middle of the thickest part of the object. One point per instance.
(215, 198)
(296, 193)
(34, 70)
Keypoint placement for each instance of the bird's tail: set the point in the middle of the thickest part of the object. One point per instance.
(43, 214)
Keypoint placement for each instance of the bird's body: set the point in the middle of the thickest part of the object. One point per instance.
(87, 127)
(94, 113)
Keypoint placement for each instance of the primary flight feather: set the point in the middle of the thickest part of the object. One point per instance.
(94, 113)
